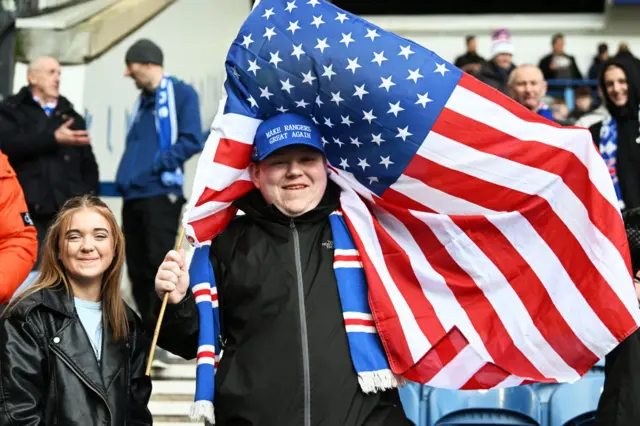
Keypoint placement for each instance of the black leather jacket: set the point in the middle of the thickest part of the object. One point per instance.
(49, 374)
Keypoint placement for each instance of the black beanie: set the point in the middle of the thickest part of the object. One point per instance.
(144, 51)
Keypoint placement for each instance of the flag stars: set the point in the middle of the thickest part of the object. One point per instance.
(406, 51)
(268, 13)
(269, 32)
(254, 67)
(328, 123)
(386, 83)
(319, 101)
(275, 58)
(324, 141)
(313, 118)
(369, 116)
(338, 142)
(373, 179)
(246, 42)
(235, 72)
(403, 133)
(335, 97)
(301, 103)
(377, 139)
(343, 163)
(360, 91)
(293, 27)
(328, 71)
(322, 44)
(362, 162)
(414, 75)
(253, 102)
(264, 93)
(290, 6)
(379, 58)
(308, 78)
(423, 99)
(356, 142)
(372, 34)
(282, 109)
(346, 121)
(353, 65)
(297, 51)
(317, 21)
(346, 39)
(313, 3)
(286, 85)
(342, 17)
(395, 108)
(441, 68)
(386, 161)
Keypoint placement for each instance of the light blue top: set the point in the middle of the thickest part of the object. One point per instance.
(90, 314)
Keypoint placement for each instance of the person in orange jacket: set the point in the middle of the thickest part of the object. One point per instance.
(18, 238)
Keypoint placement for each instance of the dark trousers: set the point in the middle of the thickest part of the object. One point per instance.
(150, 227)
(619, 403)
(388, 412)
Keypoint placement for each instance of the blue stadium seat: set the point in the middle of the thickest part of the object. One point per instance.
(575, 404)
(512, 406)
(414, 401)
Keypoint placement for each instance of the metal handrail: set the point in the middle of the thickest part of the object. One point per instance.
(29, 8)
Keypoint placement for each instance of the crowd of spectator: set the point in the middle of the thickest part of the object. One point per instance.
(558, 69)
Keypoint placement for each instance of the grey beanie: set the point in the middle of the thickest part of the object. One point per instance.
(144, 51)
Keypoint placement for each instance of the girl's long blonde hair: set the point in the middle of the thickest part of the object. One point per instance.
(52, 273)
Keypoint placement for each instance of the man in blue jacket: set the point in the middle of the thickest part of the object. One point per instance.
(164, 131)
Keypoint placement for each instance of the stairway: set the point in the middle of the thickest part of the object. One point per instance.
(173, 391)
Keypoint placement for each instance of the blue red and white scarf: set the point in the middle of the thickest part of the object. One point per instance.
(367, 354)
(608, 149)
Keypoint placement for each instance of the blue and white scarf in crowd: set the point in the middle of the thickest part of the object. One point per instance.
(166, 120)
(608, 149)
(368, 356)
(545, 111)
(49, 107)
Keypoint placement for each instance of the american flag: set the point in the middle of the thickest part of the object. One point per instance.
(493, 247)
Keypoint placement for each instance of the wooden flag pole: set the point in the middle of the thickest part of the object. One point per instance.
(165, 299)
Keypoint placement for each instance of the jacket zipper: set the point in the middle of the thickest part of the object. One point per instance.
(64, 359)
(302, 310)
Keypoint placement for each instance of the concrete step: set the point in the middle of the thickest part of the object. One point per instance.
(174, 388)
(178, 371)
(178, 409)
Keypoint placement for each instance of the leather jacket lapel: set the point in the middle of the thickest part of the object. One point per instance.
(72, 344)
(115, 355)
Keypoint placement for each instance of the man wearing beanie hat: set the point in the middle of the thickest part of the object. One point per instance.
(164, 131)
(496, 72)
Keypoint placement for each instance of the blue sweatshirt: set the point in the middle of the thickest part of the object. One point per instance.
(142, 162)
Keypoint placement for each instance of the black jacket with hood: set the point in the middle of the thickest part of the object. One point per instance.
(286, 359)
(628, 146)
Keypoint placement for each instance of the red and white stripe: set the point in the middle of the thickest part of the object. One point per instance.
(346, 258)
(357, 322)
(207, 355)
(498, 258)
(203, 292)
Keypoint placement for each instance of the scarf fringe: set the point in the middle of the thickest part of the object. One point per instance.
(200, 409)
(381, 380)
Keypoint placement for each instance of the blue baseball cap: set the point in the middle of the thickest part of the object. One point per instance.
(284, 130)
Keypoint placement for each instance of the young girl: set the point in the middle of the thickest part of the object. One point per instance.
(71, 351)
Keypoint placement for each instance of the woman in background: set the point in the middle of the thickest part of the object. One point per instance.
(71, 351)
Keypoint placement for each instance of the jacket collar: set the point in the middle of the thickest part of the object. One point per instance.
(72, 342)
(25, 96)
